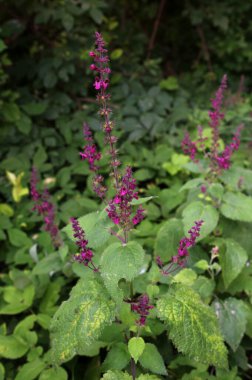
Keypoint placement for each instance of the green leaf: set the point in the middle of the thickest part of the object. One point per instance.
(116, 54)
(56, 373)
(204, 286)
(121, 261)
(192, 326)
(116, 375)
(24, 124)
(50, 263)
(16, 300)
(30, 371)
(68, 21)
(136, 347)
(152, 360)
(200, 211)
(80, 320)
(117, 358)
(192, 184)
(232, 261)
(186, 276)
(35, 109)
(2, 372)
(18, 238)
(233, 176)
(12, 347)
(169, 199)
(146, 376)
(171, 83)
(232, 319)
(237, 206)
(96, 226)
(142, 200)
(168, 237)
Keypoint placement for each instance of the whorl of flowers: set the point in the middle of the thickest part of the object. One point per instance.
(179, 260)
(142, 307)
(86, 254)
(45, 208)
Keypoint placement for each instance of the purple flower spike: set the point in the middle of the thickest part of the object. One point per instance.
(85, 255)
(179, 260)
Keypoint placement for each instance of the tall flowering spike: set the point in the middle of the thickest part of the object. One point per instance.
(179, 260)
(101, 84)
(45, 208)
(216, 115)
(119, 208)
(86, 254)
(142, 307)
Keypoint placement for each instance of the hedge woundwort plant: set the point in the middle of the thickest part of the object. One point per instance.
(112, 292)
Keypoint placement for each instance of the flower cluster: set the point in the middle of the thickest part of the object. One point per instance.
(179, 260)
(218, 160)
(90, 150)
(45, 208)
(86, 254)
(142, 307)
(119, 208)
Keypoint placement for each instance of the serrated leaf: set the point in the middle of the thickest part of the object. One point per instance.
(232, 319)
(152, 360)
(168, 237)
(192, 326)
(232, 261)
(121, 261)
(96, 226)
(79, 321)
(237, 206)
(193, 183)
(16, 300)
(136, 347)
(200, 211)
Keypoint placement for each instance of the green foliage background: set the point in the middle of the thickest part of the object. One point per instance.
(158, 92)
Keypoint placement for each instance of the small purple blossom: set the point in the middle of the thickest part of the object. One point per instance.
(45, 208)
(179, 260)
(86, 254)
(142, 307)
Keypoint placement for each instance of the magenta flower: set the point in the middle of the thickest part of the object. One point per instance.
(179, 260)
(86, 254)
(218, 160)
(142, 307)
(120, 208)
(45, 208)
(90, 150)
